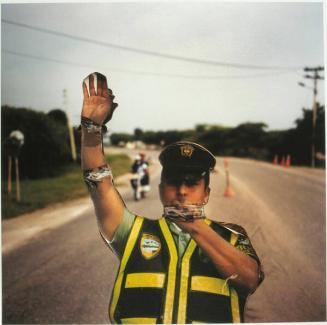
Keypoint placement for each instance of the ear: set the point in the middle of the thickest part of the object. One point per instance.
(207, 194)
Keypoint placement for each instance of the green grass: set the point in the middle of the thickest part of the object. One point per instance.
(36, 194)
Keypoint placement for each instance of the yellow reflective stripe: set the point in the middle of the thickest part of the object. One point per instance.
(233, 239)
(197, 322)
(139, 320)
(234, 296)
(170, 291)
(207, 221)
(235, 306)
(210, 285)
(185, 273)
(145, 280)
(127, 252)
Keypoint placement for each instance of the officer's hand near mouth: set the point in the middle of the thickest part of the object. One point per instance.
(182, 267)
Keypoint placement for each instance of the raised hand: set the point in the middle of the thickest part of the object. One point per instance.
(98, 102)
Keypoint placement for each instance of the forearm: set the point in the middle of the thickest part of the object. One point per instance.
(241, 269)
(109, 206)
(91, 150)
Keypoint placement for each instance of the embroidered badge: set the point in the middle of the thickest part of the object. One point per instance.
(150, 246)
(187, 150)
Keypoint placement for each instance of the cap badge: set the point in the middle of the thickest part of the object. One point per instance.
(187, 150)
(150, 246)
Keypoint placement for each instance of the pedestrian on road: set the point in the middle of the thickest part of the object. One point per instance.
(183, 267)
(140, 180)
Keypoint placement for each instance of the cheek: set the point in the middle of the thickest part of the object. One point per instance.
(200, 194)
(167, 193)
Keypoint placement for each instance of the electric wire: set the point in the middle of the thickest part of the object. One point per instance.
(70, 63)
(148, 52)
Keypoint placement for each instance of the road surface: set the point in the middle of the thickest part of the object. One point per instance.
(66, 275)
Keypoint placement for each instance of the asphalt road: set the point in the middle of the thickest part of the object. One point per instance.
(66, 275)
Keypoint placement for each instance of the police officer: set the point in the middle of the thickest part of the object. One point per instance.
(183, 267)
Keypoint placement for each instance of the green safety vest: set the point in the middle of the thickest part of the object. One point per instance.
(154, 286)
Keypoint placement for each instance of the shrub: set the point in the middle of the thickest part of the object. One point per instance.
(46, 148)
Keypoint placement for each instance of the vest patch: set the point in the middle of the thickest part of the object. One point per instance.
(150, 246)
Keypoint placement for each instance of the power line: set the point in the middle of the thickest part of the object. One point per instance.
(42, 58)
(152, 53)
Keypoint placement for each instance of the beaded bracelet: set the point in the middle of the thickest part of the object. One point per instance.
(188, 214)
(91, 126)
(93, 176)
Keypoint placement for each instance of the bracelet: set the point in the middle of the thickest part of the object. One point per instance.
(91, 126)
(187, 214)
(186, 218)
(96, 175)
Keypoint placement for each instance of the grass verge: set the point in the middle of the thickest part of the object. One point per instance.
(36, 194)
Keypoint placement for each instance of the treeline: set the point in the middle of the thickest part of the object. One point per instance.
(251, 140)
(46, 146)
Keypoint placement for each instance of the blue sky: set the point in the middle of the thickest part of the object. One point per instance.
(272, 42)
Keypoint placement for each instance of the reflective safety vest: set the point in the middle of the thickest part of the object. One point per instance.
(154, 286)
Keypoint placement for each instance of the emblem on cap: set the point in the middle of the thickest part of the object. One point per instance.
(187, 150)
(150, 246)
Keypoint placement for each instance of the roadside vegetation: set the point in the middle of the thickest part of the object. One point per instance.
(69, 185)
(48, 175)
(247, 140)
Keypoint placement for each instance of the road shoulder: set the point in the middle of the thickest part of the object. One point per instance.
(19, 230)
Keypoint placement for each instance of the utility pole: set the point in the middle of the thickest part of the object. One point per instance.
(70, 128)
(315, 77)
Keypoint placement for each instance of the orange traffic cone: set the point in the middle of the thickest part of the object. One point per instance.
(275, 161)
(282, 163)
(229, 192)
(288, 161)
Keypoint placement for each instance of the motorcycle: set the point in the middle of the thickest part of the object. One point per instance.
(140, 185)
(140, 178)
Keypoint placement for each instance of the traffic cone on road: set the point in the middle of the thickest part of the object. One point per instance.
(288, 161)
(229, 192)
(282, 163)
(275, 161)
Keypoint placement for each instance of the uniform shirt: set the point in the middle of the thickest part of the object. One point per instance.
(117, 244)
(181, 238)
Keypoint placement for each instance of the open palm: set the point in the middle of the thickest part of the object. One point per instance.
(98, 102)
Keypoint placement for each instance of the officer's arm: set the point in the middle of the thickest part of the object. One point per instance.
(241, 269)
(98, 107)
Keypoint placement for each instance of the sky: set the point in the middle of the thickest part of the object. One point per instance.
(171, 65)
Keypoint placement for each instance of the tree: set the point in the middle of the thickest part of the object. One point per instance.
(138, 134)
(248, 140)
(117, 138)
(297, 141)
(58, 116)
(46, 146)
(303, 135)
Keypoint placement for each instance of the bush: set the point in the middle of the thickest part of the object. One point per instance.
(46, 148)
(116, 138)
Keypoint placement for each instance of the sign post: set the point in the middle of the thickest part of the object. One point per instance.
(14, 143)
